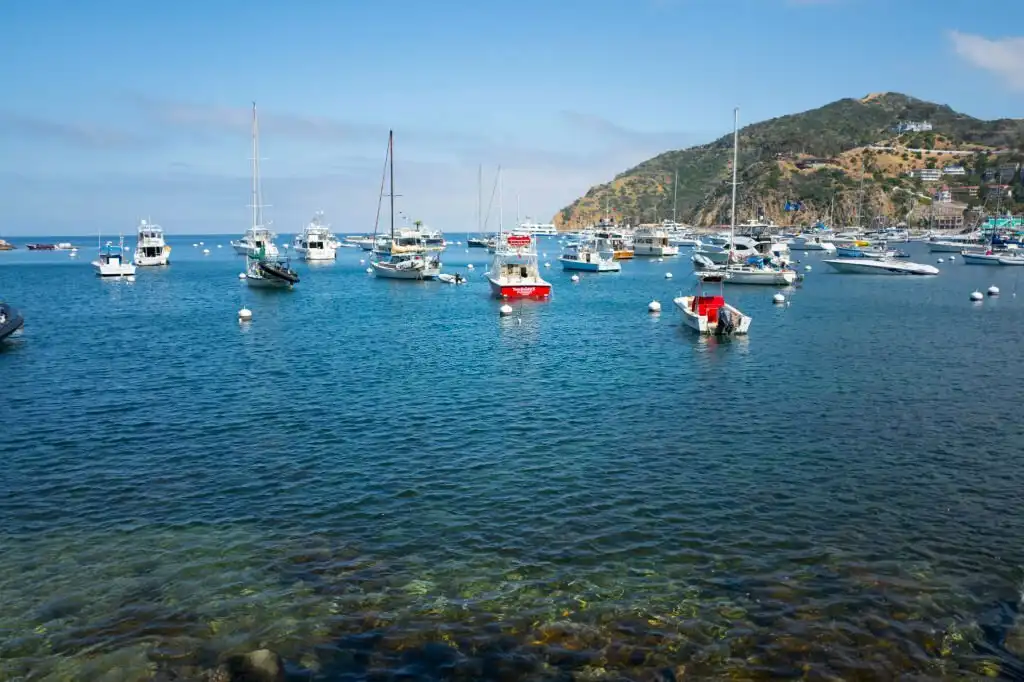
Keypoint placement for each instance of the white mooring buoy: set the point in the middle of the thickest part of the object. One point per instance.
(668, 275)
(220, 246)
(807, 268)
(661, 260)
(654, 307)
(976, 296)
(244, 315)
(993, 291)
(206, 252)
(575, 278)
(940, 261)
(469, 267)
(952, 258)
(195, 245)
(369, 271)
(242, 275)
(547, 265)
(130, 278)
(778, 298)
(505, 310)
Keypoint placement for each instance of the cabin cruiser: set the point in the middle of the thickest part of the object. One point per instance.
(151, 248)
(616, 242)
(811, 242)
(716, 248)
(528, 226)
(587, 258)
(653, 240)
(316, 241)
(406, 264)
(514, 272)
(257, 239)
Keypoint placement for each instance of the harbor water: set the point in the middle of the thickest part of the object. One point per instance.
(388, 480)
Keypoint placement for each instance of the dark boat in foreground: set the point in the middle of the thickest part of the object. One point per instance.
(10, 321)
(41, 247)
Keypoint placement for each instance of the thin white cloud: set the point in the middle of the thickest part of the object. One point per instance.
(1003, 57)
(74, 133)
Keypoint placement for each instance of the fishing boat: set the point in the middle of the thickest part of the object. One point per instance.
(151, 248)
(6, 245)
(705, 314)
(653, 240)
(514, 271)
(265, 268)
(873, 266)
(402, 255)
(11, 321)
(41, 247)
(587, 258)
(316, 241)
(112, 263)
(616, 241)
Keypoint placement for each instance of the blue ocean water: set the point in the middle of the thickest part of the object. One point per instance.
(387, 480)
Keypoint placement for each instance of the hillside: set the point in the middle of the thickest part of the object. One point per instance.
(816, 157)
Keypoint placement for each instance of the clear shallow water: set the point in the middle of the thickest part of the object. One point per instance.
(383, 479)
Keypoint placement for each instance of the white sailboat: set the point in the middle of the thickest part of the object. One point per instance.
(264, 268)
(397, 260)
(316, 241)
(151, 248)
(711, 314)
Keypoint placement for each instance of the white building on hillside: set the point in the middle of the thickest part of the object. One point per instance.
(912, 127)
(954, 170)
(926, 174)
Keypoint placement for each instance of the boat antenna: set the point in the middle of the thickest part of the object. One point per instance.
(501, 201)
(735, 162)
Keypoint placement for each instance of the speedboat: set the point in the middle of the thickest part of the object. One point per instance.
(151, 249)
(316, 241)
(865, 252)
(11, 321)
(586, 258)
(811, 242)
(112, 263)
(874, 266)
(711, 315)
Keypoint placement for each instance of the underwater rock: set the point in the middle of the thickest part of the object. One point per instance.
(262, 665)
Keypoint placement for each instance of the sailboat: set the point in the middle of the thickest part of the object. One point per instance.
(711, 314)
(264, 268)
(402, 256)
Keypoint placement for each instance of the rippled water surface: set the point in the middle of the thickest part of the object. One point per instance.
(385, 480)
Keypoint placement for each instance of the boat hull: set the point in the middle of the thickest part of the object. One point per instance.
(596, 266)
(645, 250)
(267, 283)
(947, 247)
(868, 266)
(316, 254)
(13, 321)
(521, 290)
(701, 323)
(763, 278)
(623, 254)
(240, 248)
(982, 258)
(152, 261)
(385, 272)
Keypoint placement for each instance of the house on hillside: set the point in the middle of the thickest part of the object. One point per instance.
(805, 164)
(912, 127)
(943, 196)
(926, 174)
(998, 192)
(954, 170)
(964, 192)
(1005, 173)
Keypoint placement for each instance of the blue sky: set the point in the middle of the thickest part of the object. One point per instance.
(116, 110)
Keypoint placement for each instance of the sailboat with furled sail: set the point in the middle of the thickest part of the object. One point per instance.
(711, 314)
(404, 255)
(264, 268)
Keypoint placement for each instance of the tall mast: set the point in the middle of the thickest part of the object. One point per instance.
(391, 161)
(517, 210)
(480, 199)
(501, 202)
(735, 162)
(256, 217)
(860, 192)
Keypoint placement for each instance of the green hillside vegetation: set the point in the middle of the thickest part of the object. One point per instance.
(773, 167)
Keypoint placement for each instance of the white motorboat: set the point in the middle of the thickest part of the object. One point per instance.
(257, 239)
(515, 271)
(614, 240)
(653, 240)
(529, 226)
(112, 262)
(587, 258)
(874, 266)
(364, 243)
(983, 257)
(402, 255)
(721, 249)
(316, 241)
(1011, 260)
(954, 243)
(264, 266)
(151, 248)
(811, 242)
(684, 240)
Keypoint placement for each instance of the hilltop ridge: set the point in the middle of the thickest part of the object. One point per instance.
(822, 158)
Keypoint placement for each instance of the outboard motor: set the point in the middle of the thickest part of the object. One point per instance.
(726, 324)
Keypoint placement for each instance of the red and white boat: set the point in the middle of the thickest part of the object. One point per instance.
(514, 272)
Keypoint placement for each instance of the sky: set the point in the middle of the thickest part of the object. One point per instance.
(116, 110)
